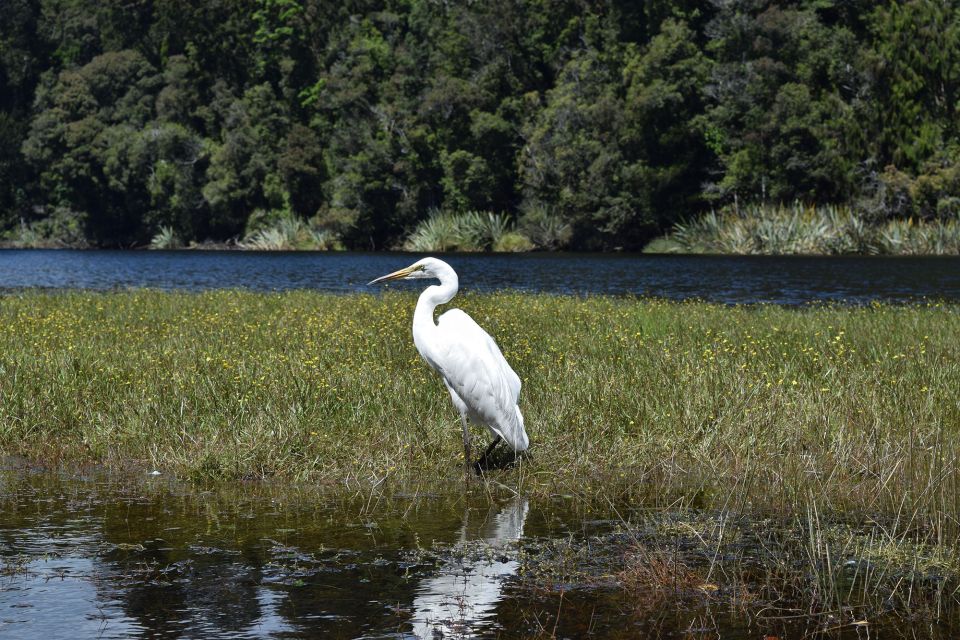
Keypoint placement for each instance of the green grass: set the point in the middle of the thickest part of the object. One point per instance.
(689, 404)
(823, 439)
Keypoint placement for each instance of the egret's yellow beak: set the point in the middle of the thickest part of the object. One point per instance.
(396, 275)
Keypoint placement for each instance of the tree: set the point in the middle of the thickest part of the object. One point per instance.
(779, 112)
(83, 141)
(915, 64)
(663, 82)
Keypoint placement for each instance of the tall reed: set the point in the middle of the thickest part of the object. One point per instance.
(468, 231)
(807, 229)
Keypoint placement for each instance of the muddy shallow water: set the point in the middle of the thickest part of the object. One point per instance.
(100, 556)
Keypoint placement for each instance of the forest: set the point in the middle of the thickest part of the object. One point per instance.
(574, 124)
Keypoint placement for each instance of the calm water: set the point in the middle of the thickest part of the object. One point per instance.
(728, 279)
(102, 557)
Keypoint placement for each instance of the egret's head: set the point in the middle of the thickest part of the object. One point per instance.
(425, 268)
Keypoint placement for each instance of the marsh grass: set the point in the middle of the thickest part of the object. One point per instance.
(806, 229)
(284, 231)
(833, 430)
(688, 404)
(831, 574)
(466, 231)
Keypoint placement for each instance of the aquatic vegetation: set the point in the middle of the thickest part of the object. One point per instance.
(624, 399)
(807, 229)
(799, 458)
(166, 238)
(835, 574)
(468, 231)
(286, 232)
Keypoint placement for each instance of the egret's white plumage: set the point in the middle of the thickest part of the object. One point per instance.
(481, 383)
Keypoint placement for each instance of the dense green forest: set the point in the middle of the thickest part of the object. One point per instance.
(587, 124)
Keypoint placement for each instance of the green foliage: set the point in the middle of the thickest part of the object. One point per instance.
(439, 232)
(469, 231)
(513, 242)
(545, 230)
(916, 58)
(907, 237)
(573, 162)
(61, 227)
(166, 238)
(596, 127)
(282, 231)
(933, 194)
(804, 229)
(780, 103)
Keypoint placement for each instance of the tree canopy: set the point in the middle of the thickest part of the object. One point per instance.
(609, 119)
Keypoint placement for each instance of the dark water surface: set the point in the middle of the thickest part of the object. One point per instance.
(727, 279)
(101, 557)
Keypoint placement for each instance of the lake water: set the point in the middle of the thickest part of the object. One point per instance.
(726, 279)
(94, 556)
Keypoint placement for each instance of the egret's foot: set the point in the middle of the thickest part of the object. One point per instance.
(483, 463)
(499, 460)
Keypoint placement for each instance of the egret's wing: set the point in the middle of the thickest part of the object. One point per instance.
(473, 366)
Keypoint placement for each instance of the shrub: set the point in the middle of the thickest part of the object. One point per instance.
(62, 227)
(166, 238)
(439, 232)
(894, 194)
(807, 229)
(546, 231)
(513, 242)
(287, 232)
(469, 231)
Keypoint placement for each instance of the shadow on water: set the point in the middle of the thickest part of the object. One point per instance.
(110, 557)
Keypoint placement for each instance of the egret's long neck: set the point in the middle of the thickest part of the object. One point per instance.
(423, 323)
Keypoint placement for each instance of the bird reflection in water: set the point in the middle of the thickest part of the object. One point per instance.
(459, 600)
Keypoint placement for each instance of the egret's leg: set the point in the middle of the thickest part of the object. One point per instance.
(466, 441)
(486, 454)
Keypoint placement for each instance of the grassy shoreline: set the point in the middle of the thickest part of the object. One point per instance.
(824, 437)
(625, 399)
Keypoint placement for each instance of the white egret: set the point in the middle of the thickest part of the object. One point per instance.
(482, 385)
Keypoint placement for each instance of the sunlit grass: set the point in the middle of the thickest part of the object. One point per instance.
(689, 404)
(806, 229)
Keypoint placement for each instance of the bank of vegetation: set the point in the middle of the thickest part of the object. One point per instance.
(306, 124)
(792, 461)
(854, 408)
(809, 230)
